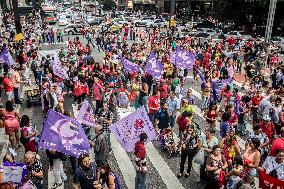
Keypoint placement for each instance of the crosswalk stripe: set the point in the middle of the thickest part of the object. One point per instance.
(123, 161)
(162, 167)
(158, 162)
(241, 142)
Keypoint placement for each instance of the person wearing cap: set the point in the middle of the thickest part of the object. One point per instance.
(268, 127)
(140, 161)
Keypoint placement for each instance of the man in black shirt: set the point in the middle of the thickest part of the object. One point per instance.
(85, 174)
(162, 118)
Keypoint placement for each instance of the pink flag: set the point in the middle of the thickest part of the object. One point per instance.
(128, 129)
(86, 115)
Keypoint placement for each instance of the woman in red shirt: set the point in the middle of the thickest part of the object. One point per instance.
(211, 115)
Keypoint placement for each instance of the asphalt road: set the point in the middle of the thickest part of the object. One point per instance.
(154, 178)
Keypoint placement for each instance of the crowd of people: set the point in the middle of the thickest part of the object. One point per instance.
(170, 101)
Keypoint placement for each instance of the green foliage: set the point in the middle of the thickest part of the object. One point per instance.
(237, 10)
(108, 4)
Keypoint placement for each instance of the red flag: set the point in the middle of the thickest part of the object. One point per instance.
(269, 182)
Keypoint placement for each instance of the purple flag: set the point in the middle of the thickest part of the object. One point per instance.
(199, 73)
(6, 57)
(184, 59)
(14, 172)
(154, 67)
(63, 134)
(86, 115)
(128, 129)
(130, 66)
(58, 68)
(226, 82)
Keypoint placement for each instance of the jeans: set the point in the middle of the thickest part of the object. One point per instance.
(16, 95)
(189, 155)
(140, 180)
(172, 121)
(39, 76)
(239, 66)
(242, 128)
(205, 102)
(203, 174)
(145, 100)
(151, 116)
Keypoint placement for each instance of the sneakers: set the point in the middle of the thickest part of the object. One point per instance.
(56, 185)
(198, 180)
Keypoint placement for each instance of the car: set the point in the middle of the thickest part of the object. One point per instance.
(119, 21)
(157, 23)
(281, 45)
(210, 31)
(74, 29)
(115, 28)
(96, 21)
(276, 39)
(143, 21)
(234, 34)
(63, 22)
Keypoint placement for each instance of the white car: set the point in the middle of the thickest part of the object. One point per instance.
(234, 34)
(281, 45)
(120, 21)
(143, 21)
(63, 22)
(157, 23)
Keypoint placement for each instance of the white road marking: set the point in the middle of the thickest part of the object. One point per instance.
(156, 159)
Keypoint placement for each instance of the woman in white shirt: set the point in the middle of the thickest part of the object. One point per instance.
(275, 163)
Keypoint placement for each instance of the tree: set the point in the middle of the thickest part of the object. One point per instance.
(108, 4)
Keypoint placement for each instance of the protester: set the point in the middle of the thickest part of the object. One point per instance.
(190, 144)
(215, 166)
(55, 162)
(86, 173)
(101, 145)
(140, 161)
(28, 134)
(12, 124)
(35, 169)
(108, 179)
(273, 166)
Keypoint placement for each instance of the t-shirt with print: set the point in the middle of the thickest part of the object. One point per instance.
(36, 167)
(154, 102)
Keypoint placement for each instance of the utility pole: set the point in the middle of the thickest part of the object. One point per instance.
(173, 7)
(172, 16)
(270, 20)
(17, 16)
